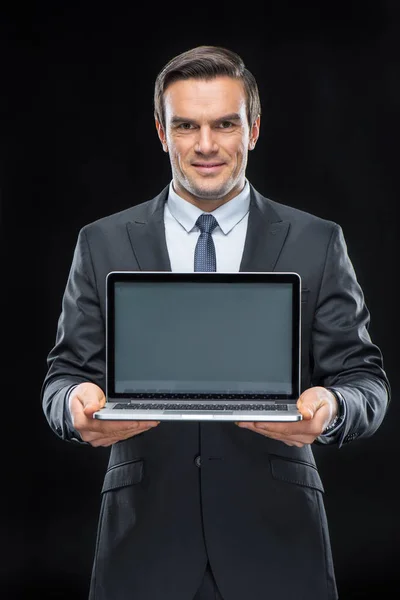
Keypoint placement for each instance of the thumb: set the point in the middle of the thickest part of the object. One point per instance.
(91, 397)
(308, 404)
(307, 411)
(312, 400)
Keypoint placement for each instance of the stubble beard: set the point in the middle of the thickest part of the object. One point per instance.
(205, 193)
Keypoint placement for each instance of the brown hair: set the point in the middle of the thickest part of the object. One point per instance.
(206, 62)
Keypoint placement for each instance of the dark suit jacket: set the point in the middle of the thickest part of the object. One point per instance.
(253, 506)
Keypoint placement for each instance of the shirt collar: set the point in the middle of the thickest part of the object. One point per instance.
(228, 215)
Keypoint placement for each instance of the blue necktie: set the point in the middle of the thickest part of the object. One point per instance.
(204, 253)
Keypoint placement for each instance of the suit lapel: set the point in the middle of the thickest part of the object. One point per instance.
(147, 236)
(266, 234)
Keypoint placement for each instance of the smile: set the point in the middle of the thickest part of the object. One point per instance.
(208, 167)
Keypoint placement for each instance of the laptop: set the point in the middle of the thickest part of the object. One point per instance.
(202, 346)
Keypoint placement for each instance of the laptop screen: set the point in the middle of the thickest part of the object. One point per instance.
(203, 334)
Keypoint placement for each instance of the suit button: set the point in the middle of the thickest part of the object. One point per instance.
(197, 461)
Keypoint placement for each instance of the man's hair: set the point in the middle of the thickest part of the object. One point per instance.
(207, 62)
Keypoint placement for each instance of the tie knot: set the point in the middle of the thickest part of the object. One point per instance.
(206, 223)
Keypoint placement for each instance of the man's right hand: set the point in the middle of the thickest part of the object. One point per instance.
(84, 401)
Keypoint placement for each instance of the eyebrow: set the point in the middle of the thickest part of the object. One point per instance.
(230, 117)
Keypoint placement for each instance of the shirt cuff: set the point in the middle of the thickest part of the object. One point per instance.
(340, 417)
(68, 418)
(68, 415)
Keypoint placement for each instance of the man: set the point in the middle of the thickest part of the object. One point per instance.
(247, 521)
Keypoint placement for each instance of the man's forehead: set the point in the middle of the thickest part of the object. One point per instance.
(220, 94)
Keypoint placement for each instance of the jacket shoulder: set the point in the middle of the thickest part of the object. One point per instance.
(121, 217)
(139, 212)
(299, 216)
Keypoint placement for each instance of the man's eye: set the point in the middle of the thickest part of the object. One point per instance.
(185, 126)
(226, 124)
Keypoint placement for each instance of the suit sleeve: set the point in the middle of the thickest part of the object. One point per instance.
(79, 351)
(345, 358)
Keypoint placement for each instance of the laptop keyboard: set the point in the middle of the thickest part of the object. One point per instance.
(248, 406)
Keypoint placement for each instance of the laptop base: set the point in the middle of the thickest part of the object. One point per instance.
(109, 413)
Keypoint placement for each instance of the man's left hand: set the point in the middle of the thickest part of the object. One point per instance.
(318, 407)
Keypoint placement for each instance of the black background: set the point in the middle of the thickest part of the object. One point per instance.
(78, 142)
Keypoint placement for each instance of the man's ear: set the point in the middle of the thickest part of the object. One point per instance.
(162, 136)
(254, 133)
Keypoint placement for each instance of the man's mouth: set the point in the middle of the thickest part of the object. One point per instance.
(209, 167)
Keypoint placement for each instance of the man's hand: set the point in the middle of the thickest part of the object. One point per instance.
(318, 407)
(84, 401)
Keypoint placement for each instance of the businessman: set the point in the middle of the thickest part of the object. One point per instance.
(201, 511)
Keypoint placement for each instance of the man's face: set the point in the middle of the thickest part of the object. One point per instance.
(208, 138)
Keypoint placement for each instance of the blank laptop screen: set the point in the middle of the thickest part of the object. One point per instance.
(203, 337)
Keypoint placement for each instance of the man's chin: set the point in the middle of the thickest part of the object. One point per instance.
(212, 191)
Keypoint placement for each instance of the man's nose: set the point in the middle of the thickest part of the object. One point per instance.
(206, 143)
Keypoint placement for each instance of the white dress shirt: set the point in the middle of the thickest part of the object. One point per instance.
(181, 232)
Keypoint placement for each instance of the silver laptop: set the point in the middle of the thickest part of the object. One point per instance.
(202, 346)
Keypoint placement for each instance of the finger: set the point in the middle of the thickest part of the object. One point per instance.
(291, 438)
(273, 429)
(114, 427)
(304, 432)
(278, 431)
(298, 444)
(92, 429)
(149, 424)
(100, 438)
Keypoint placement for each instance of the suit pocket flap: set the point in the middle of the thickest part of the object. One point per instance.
(296, 472)
(122, 475)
